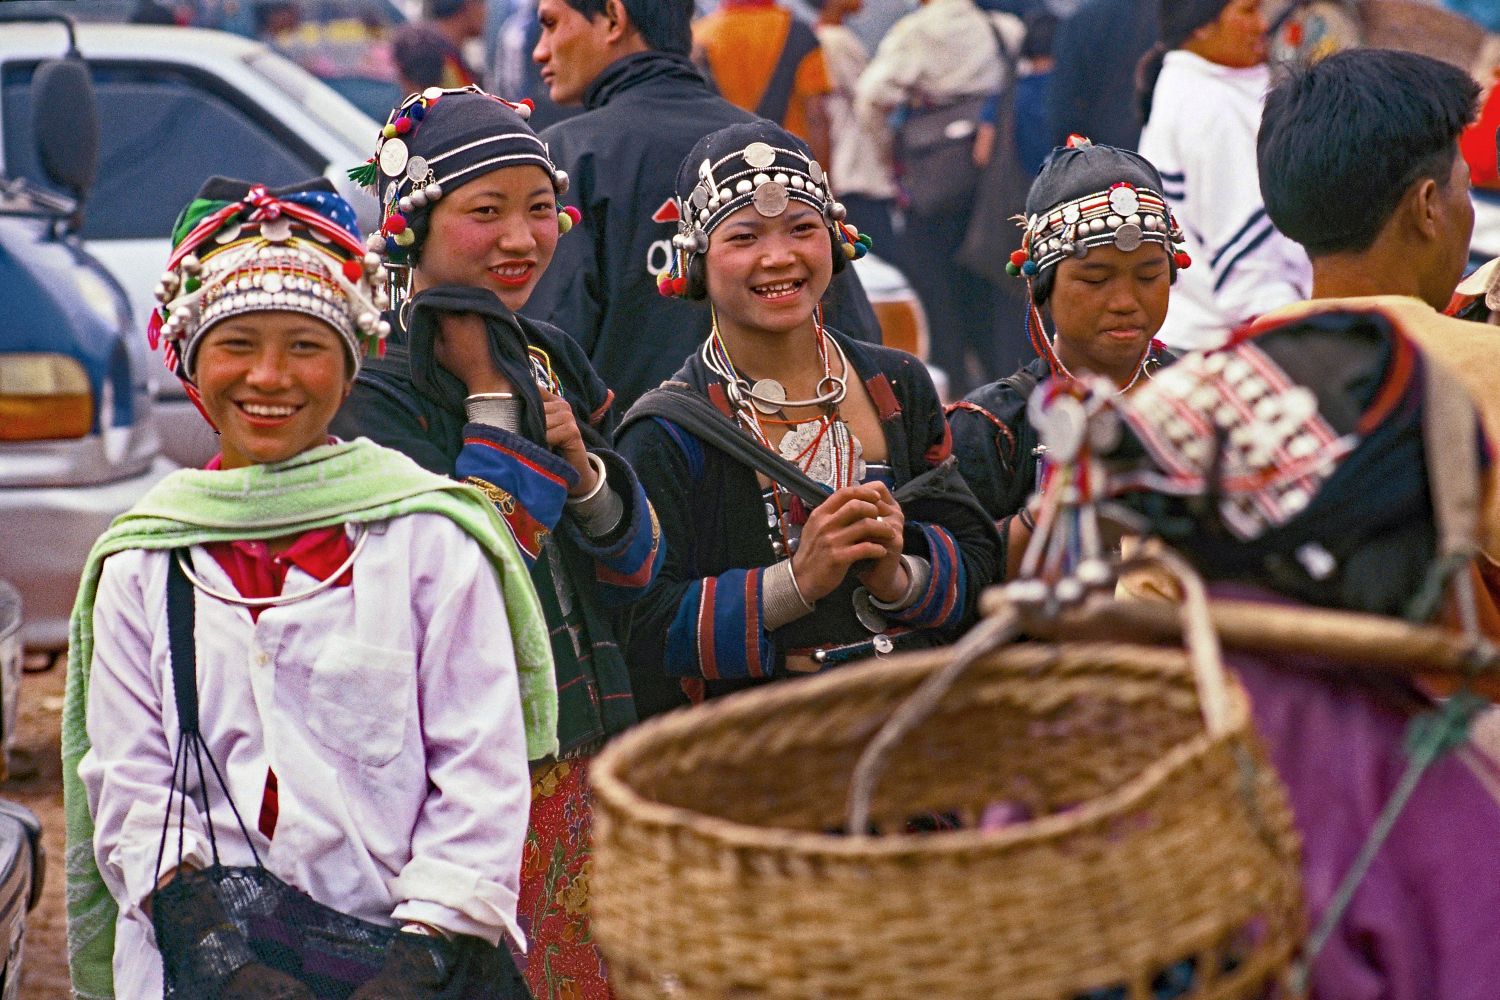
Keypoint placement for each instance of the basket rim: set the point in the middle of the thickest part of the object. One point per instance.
(607, 784)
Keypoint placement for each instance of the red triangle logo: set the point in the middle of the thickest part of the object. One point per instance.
(668, 212)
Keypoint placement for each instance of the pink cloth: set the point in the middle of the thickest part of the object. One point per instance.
(1425, 923)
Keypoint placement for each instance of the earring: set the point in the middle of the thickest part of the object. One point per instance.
(567, 218)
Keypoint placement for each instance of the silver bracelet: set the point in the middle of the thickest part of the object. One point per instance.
(781, 597)
(497, 409)
(918, 575)
(601, 510)
(597, 464)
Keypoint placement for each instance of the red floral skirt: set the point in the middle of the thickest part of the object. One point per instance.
(561, 962)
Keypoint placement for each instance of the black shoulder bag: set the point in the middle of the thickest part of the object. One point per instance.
(212, 922)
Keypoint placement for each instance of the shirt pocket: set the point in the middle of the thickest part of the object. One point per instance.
(360, 699)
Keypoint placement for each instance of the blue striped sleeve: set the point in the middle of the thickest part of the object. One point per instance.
(942, 604)
(717, 633)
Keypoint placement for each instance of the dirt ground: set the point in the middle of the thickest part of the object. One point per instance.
(37, 782)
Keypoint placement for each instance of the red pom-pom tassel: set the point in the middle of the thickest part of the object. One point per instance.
(353, 270)
(394, 224)
(573, 214)
(1019, 257)
(1183, 260)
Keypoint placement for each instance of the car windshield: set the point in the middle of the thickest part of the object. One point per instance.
(332, 111)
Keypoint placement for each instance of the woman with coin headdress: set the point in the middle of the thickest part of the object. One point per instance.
(367, 732)
(1099, 255)
(472, 389)
(812, 510)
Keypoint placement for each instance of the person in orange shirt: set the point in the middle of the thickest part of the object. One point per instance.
(766, 61)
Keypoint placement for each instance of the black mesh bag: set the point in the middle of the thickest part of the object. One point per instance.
(213, 923)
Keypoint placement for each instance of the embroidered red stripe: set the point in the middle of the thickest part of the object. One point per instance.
(752, 624)
(518, 457)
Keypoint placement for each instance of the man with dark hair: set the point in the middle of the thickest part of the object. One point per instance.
(1359, 162)
(455, 22)
(646, 106)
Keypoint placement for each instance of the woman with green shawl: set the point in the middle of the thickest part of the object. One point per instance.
(372, 670)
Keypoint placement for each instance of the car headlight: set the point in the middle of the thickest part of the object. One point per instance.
(44, 397)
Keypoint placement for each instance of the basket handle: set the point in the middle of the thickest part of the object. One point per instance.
(1204, 656)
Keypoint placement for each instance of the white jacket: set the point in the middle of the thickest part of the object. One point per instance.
(1201, 136)
(388, 709)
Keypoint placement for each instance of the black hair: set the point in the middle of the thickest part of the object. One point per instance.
(1041, 27)
(1341, 142)
(419, 53)
(665, 25)
(1177, 20)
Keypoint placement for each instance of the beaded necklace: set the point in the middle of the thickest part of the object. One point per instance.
(1045, 347)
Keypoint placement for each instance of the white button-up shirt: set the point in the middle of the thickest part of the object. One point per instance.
(389, 711)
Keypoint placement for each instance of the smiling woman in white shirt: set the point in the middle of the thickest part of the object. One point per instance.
(370, 667)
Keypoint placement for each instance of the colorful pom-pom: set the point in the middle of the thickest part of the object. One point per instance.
(1012, 270)
(354, 270)
(402, 125)
(849, 250)
(1183, 260)
(1019, 257)
(417, 112)
(867, 241)
(395, 224)
(192, 284)
(405, 238)
(391, 246)
(572, 213)
(679, 286)
(564, 223)
(388, 131)
(1029, 268)
(859, 250)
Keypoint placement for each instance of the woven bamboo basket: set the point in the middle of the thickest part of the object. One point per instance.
(1141, 837)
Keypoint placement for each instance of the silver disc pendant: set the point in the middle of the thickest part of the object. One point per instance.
(820, 465)
(768, 396)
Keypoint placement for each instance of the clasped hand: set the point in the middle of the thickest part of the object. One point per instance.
(857, 528)
(463, 348)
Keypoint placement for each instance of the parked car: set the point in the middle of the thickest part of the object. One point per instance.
(77, 441)
(178, 105)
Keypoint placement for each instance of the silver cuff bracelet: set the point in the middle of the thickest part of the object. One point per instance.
(919, 574)
(781, 599)
(497, 409)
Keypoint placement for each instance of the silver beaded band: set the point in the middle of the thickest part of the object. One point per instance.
(496, 409)
(781, 599)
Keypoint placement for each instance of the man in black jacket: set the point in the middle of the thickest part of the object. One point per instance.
(646, 106)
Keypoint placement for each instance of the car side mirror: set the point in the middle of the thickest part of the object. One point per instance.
(65, 122)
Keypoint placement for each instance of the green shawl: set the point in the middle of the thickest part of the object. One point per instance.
(354, 482)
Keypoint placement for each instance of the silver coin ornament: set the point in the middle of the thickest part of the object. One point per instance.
(759, 155)
(271, 283)
(1124, 201)
(1071, 214)
(277, 230)
(700, 197)
(770, 199)
(883, 644)
(768, 396)
(1128, 237)
(393, 157)
(416, 168)
(227, 234)
(1061, 423)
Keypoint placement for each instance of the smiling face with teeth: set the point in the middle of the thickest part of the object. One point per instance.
(498, 232)
(766, 275)
(271, 383)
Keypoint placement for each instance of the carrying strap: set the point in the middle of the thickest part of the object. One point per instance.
(191, 750)
(777, 97)
(678, 403)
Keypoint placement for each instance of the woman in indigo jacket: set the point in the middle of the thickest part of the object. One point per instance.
(471, 389)
(759, 583)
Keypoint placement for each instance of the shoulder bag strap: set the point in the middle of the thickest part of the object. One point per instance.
(689, 410)
(192, 753)
(777, 97)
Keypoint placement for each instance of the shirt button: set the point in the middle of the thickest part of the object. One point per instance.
(261, 657)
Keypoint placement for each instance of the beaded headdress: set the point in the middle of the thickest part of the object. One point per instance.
(438, 140)
(241, 248)
(1089, 196)
(757, 163)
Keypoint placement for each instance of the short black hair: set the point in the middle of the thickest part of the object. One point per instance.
(1342, 140)
(665, 25)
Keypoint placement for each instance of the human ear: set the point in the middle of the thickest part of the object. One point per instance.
(617, 21)
(1423, 202)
